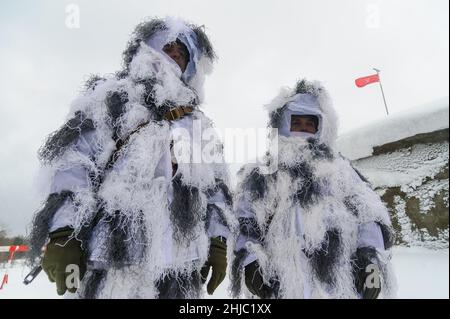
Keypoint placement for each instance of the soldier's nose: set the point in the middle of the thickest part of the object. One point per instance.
(174, 55)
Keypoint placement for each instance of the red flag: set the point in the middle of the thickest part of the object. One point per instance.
(361, 82)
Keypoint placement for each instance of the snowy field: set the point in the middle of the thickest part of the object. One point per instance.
(421, 273)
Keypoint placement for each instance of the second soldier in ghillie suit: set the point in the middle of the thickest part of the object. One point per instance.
(128, 202)
(310, 225)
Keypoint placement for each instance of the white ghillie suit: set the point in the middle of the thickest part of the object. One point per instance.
(304, 221)
(139, 223)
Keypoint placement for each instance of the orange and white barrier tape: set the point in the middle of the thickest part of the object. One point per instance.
(11, 250)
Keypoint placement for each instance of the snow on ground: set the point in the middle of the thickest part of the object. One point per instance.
(421, 273)
(359, 143)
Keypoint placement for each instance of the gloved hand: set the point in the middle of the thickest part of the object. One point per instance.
(60, 253)
(364, 257)
(255, 284)
(218, 261)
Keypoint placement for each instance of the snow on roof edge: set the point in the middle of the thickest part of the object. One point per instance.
(429, 117)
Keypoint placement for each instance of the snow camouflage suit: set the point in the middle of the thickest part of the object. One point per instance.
(138, 220)
(304, 220)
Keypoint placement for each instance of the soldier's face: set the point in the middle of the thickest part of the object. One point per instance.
(177, 52)
(303, 123)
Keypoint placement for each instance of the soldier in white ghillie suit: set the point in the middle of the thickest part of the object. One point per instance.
(312, 227)
(129, 202)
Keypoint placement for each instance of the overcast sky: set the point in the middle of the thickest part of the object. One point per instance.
(262, 45)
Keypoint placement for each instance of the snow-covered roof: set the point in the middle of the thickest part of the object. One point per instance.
(359, 143)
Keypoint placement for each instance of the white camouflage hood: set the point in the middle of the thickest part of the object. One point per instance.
(306, 98)
(154, 34)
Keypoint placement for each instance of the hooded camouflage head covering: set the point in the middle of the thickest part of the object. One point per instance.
(156, 33)
(307, 98)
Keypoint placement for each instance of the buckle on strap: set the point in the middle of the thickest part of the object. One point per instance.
(174, 113)
(178, 112)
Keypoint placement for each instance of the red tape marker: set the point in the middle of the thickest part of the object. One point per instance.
(4, 281)
(11, 250)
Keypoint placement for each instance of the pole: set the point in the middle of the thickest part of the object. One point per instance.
(382, 91)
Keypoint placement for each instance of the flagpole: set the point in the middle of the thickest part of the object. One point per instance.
(382, 91)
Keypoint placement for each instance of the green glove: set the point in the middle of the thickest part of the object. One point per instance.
(60, 253)
(364, 257)
(366, 292)
(218, 261)
(371, 293)
(255, 283)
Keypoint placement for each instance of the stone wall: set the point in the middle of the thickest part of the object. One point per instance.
(411, 176)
